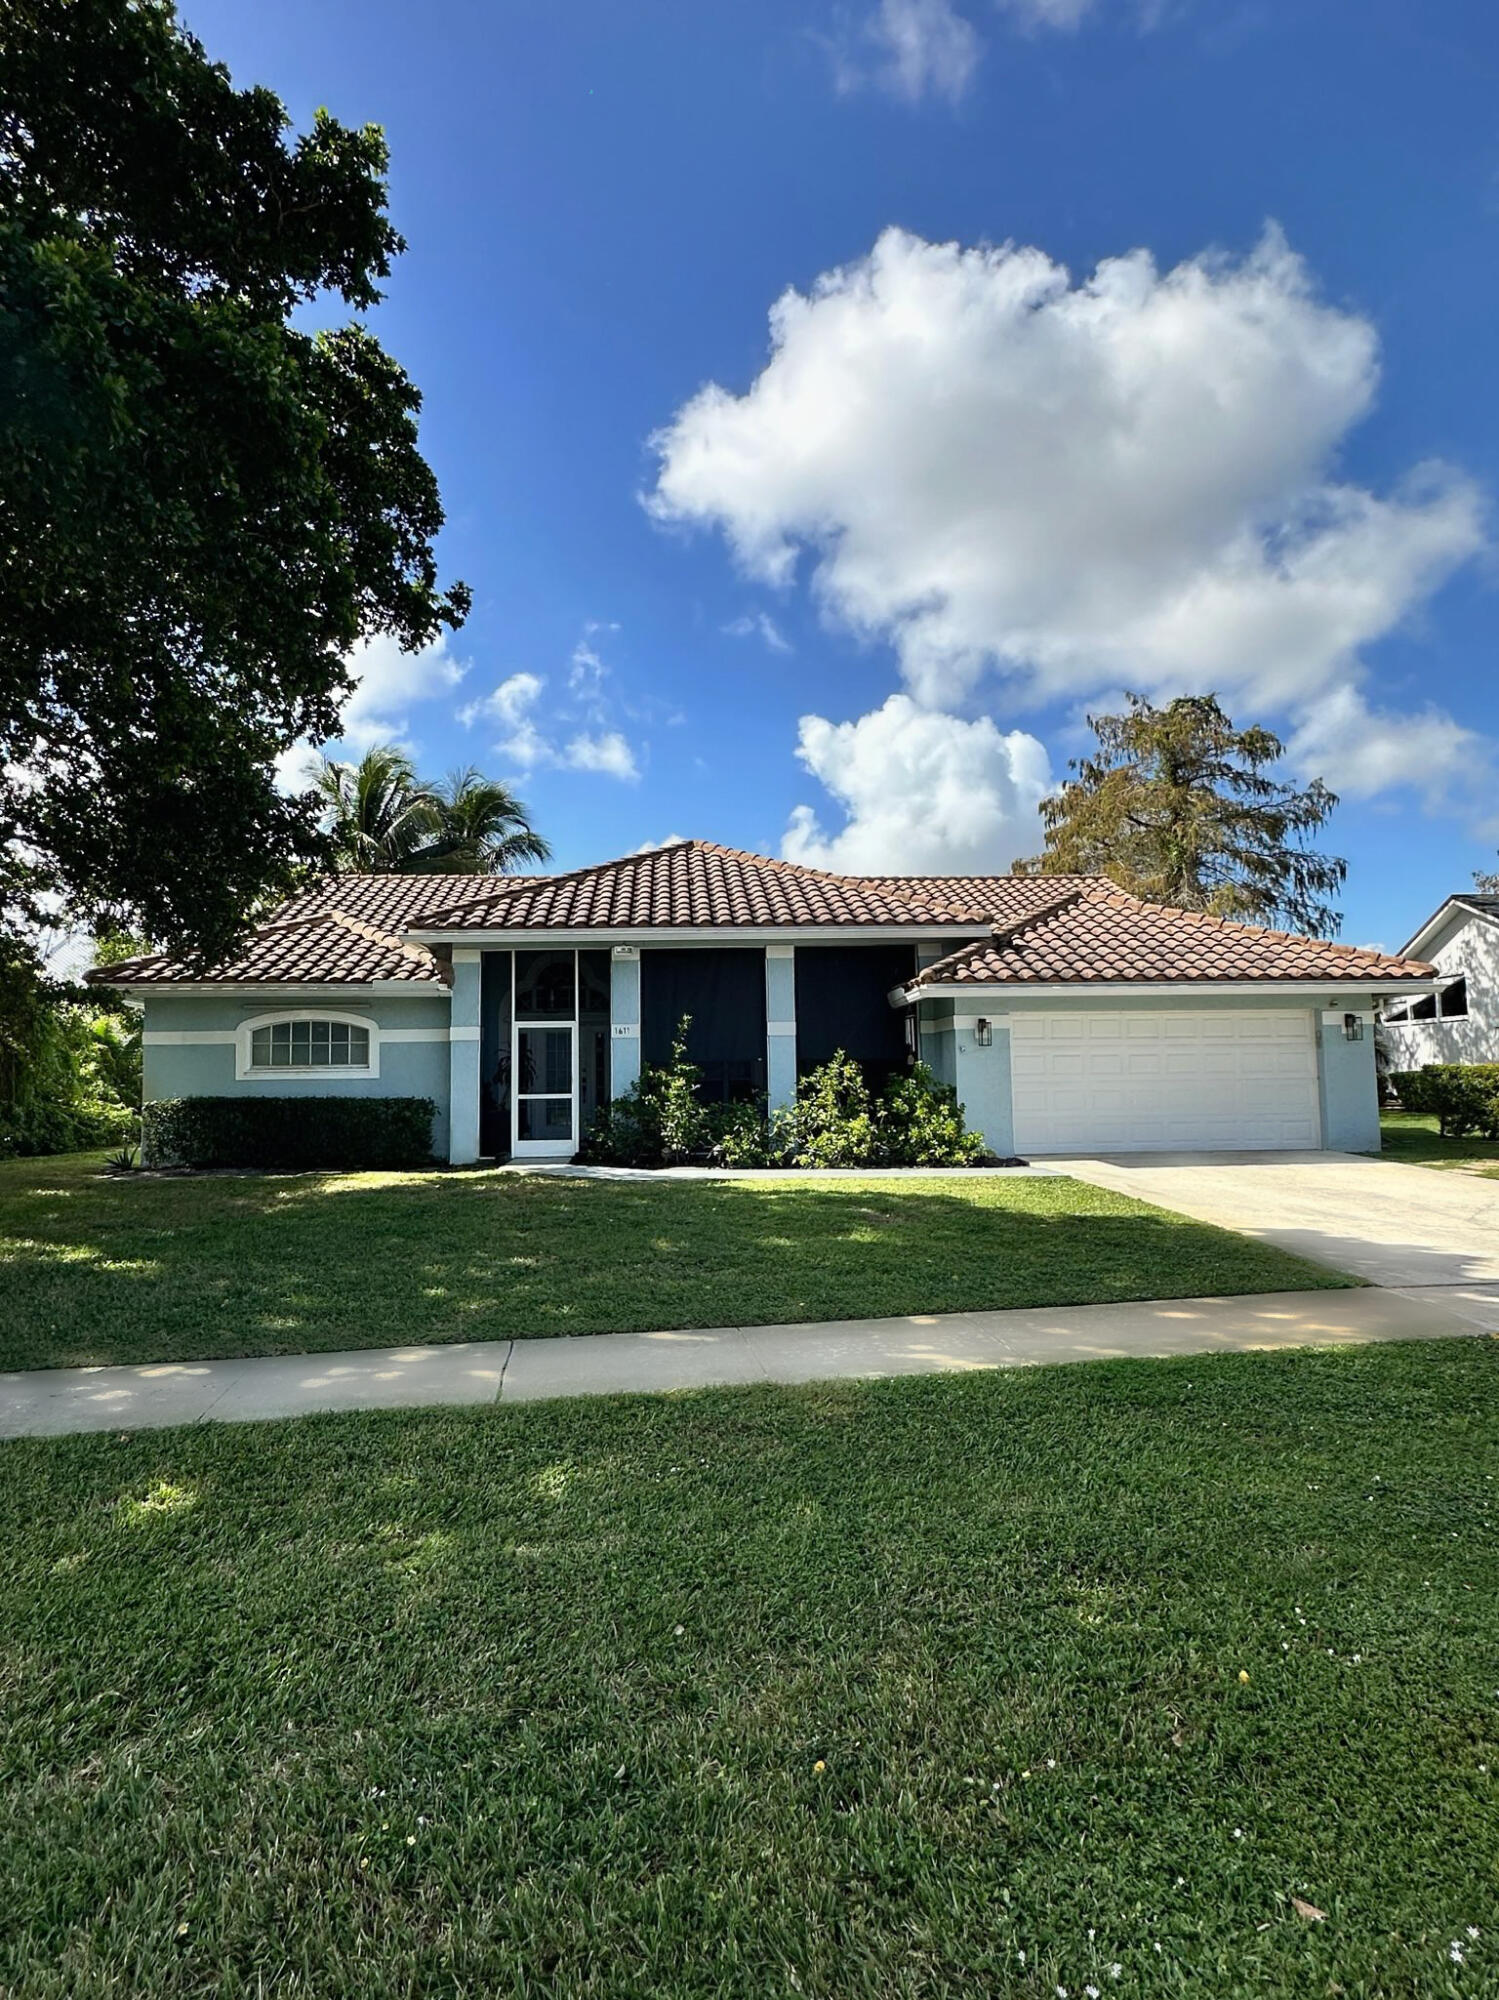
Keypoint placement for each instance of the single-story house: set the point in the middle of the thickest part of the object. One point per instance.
(1461, 1022)
(1069, 1016)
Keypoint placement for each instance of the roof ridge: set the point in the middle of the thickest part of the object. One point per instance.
(373, 935)
(719, 851)
(781, 865)
(1008, 933)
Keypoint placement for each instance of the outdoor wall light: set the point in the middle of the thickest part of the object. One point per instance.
(1353, 1028)
(983, 1034)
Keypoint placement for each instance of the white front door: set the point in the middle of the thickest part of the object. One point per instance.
(546, 1090)
(1165, 1080)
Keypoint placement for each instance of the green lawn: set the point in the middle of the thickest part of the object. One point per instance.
(1412, 1136)
(906, 1689)
(94, 1268)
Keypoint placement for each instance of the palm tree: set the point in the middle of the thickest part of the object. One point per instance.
(378, 812)
(383, 818)
(482, 827)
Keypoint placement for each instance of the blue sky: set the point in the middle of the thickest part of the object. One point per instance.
(1136, 345)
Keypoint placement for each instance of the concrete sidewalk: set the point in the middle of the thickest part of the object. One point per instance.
(50, 1402)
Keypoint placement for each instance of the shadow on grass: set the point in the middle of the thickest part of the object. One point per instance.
(98, 1270)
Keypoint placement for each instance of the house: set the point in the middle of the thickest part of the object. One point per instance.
(1069, 1016)
(1461, 1022)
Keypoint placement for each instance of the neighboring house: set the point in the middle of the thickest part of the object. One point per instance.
(1461, 1023)
(1069, 1016)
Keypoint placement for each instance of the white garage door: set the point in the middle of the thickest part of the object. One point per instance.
(1164, 1081)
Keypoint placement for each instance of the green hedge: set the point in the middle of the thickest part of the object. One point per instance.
(1464, 1097)
(288, 1132)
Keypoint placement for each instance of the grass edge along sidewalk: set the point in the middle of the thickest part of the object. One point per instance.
(95, 1269)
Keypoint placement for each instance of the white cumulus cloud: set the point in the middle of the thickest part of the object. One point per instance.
(514, 705)
(1361, 751)
(388, 684)
(911, 49)
(1125, 480)
(606, 751)
(921, 793)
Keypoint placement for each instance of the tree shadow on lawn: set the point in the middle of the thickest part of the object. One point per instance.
(98, 1270)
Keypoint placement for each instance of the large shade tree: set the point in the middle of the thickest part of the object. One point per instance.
(202, 505)
(1179, 806)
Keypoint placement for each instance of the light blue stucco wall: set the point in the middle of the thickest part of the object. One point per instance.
(1347, 1086)
(206, 1068)
(624, 1012)
(780, 1013)
(983, 1083)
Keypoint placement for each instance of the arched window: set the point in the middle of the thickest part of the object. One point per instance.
(310, 1044)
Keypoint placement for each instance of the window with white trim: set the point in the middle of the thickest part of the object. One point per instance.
(306, 1045)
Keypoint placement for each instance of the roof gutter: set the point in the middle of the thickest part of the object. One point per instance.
(1017, 989)
(249, 989)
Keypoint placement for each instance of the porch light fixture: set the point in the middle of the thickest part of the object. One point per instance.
(983, 1034)
(1353, 1028)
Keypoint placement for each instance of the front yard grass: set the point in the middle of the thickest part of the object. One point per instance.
(1070, 1678)
(95, 1269)
(1412, 1136)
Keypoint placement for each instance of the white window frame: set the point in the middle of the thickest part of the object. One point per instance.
(245, 1070)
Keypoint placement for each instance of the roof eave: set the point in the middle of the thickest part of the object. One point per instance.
(1016, 988)
(233, 989)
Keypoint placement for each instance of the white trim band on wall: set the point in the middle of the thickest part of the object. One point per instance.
(780, 1027)
(225, 1038)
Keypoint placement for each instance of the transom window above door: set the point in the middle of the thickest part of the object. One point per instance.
(310, 1044)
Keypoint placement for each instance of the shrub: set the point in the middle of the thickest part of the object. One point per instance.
(739, 1136)
(834, 1122)
(70, 1067)
(1464, 1097)
(288, 1132)
(921, 1124)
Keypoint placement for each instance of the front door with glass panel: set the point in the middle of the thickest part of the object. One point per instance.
(545, 1108)
(544, 1055)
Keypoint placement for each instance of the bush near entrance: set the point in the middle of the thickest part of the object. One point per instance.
(835, 1122)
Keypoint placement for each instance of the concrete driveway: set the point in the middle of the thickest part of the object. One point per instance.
(1428, 1234)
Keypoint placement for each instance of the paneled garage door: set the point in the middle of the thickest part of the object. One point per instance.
(1164, 1081)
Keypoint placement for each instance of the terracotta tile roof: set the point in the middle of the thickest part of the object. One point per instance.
(1073, 929)
(1093, 932)
(327, 949)
(691, 884)
(396, 902)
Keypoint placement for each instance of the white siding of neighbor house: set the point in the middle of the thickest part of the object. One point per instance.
(1468, 944)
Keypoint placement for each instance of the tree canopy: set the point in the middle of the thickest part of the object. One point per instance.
(379, 815)
(1177, 805)
(202, 506)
